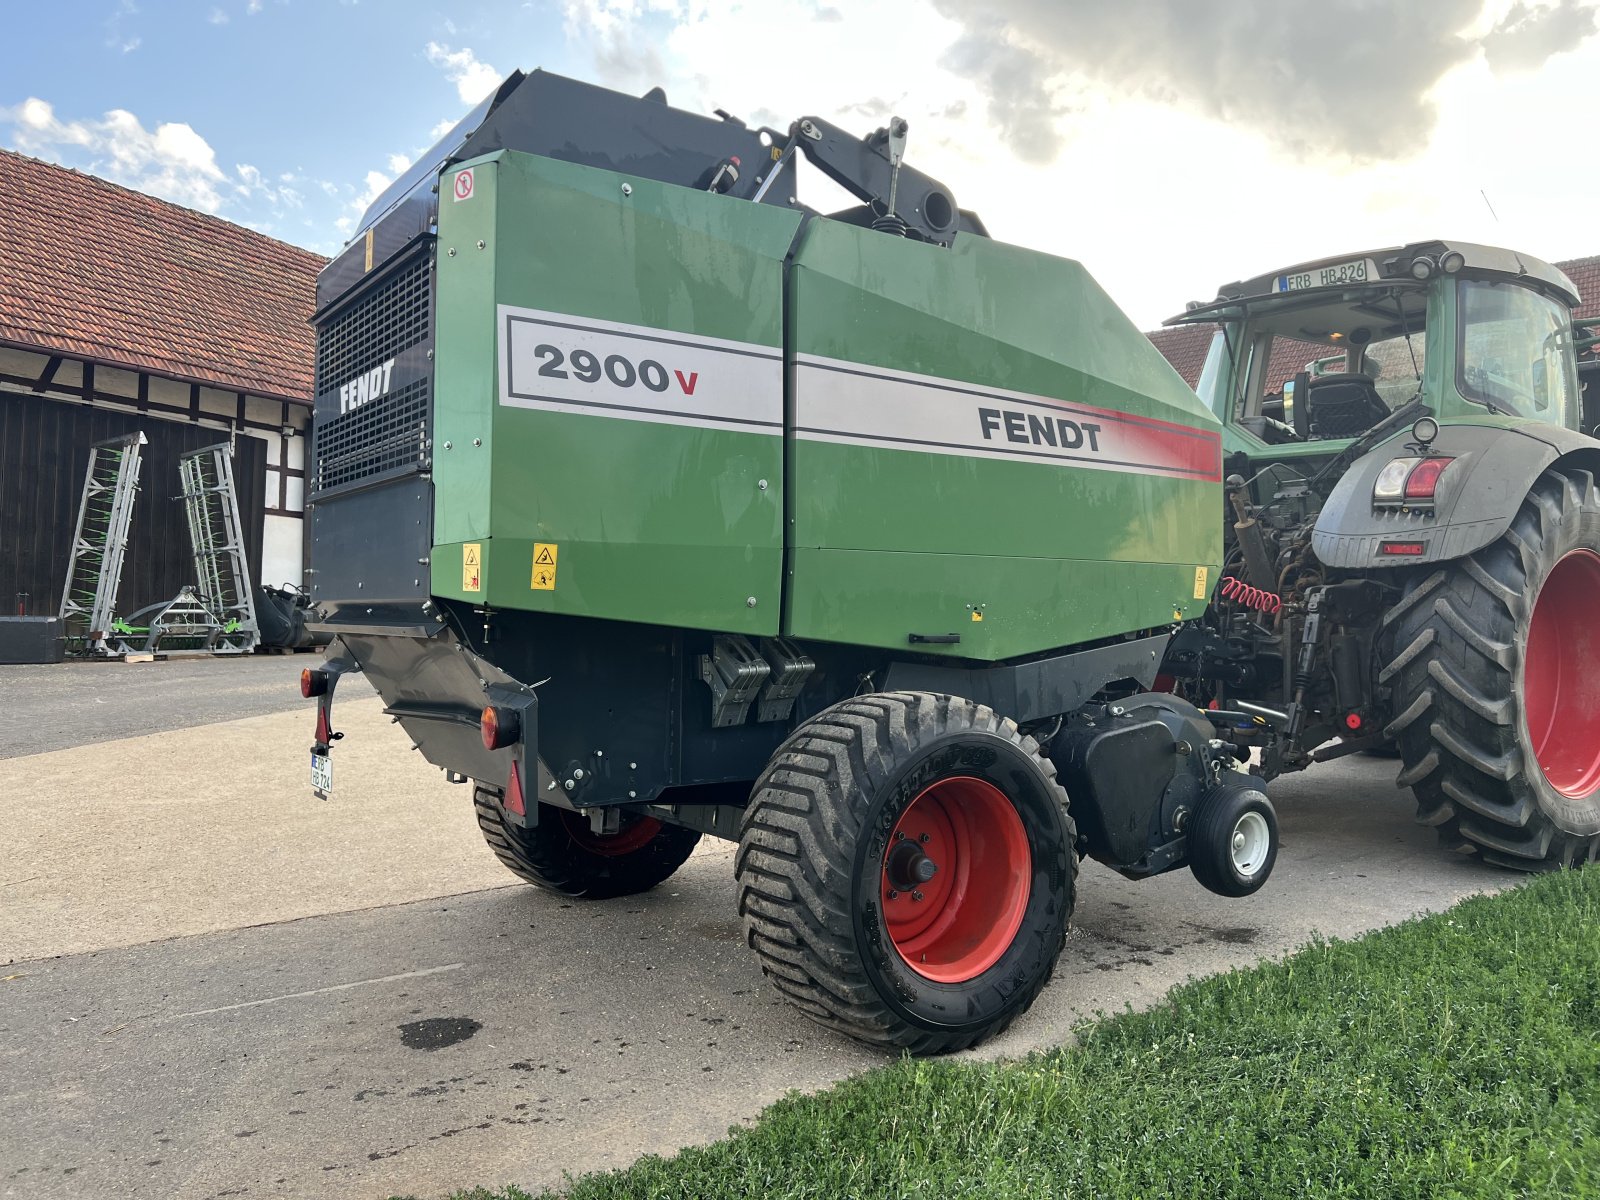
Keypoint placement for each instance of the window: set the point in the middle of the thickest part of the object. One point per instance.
(1516, 353)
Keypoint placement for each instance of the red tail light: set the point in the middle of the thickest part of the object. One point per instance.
(313, 682)
(499, 726)
(1424, 478)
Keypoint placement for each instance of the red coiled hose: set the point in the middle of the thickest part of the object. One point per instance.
(1243, 593)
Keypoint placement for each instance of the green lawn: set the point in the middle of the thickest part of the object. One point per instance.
(1456, 1055)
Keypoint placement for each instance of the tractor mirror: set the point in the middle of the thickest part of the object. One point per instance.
(1300, 414)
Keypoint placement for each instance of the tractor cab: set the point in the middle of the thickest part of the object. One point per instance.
(1307, 358)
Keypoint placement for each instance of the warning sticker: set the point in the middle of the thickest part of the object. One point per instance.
(463, 188)
(1202, 576)
(544, 567)
(472, 567)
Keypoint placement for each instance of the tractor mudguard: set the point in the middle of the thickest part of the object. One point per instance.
(1477, 498)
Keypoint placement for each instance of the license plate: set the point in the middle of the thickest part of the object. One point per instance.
(1358, 271)
(321, 774)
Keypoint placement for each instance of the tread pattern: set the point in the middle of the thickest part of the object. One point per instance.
(795, 863)
(547, 858)
(1454, 647)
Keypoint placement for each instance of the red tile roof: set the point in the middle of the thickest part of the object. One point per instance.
(93, 270)
(1184, 346)
(1585, 275)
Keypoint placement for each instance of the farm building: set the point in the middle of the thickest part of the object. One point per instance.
(119, 314)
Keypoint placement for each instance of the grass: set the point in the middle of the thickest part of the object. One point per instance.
(1457, 1055)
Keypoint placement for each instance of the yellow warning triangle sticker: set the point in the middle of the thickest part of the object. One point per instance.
(544, 558)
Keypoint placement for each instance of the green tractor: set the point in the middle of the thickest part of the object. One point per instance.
(1413, 537)
(657, 504)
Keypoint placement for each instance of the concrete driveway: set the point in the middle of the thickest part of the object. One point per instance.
(221, 986)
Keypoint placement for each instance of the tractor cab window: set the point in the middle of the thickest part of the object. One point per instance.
(1516, 352)
(1329, 367)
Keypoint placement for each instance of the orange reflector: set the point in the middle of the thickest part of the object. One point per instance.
(313, 682)
(499, 726)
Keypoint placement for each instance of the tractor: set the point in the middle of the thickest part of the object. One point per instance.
(1412, 537)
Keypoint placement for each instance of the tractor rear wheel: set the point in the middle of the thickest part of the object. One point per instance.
(1494, 668)
(562, 854)
(906, 870)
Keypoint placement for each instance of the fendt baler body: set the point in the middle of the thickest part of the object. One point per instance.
(973, 429)
(634, 489)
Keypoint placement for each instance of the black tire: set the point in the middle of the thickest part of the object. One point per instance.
(1458, 656)
(560, 855)
(1226, 851)
(818, 850)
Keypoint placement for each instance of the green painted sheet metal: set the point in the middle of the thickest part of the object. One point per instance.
(617, 352)
(982, 427)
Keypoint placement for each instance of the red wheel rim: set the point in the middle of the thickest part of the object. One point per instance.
(953, 924)
(1561, 677)
(634, 835)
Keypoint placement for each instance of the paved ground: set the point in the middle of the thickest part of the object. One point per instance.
(260, 994)
(72, 704)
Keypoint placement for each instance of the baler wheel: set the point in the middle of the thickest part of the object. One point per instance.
(906, 870)
(561, 854)
(1494, 666)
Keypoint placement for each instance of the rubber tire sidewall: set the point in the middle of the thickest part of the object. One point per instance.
(992, 996)
(1211, 840)
(1581, 816)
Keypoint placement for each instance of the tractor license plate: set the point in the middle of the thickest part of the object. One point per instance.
(321, 774)
(1358, 271)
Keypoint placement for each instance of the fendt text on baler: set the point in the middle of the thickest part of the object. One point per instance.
(656, 504)
(1413, 537)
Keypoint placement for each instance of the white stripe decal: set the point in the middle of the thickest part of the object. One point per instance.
(561, 363)
(851, 404)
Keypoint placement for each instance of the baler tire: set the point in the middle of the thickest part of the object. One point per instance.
(1458, 657)
(559, 856)
(819, 852)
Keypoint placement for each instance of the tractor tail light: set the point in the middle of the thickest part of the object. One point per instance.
(313, 682)
(1424, 478)
(499, 726)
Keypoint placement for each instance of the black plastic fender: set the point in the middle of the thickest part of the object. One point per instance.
(1477, 498)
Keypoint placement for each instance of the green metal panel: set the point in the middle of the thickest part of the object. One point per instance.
(981, 430)
(653, 470)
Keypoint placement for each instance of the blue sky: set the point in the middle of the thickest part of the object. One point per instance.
(1170, 145)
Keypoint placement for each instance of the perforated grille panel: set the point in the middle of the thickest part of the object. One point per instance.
(387, 435)
(382, 438)
(394, 316)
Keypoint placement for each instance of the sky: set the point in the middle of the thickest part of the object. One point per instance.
(1171, 146)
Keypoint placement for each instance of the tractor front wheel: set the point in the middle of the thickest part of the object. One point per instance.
(562, 854)
(1494, 667)
(906, 871)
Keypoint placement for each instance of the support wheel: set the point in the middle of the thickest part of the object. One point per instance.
(1494, 667)
(1233, 838)
(906, 871)
(562, 854)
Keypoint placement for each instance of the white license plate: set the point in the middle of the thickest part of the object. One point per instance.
(321, 774)
(1358, 271)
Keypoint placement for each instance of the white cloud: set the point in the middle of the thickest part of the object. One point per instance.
(217, 17)
(116, 38)
(172, 161)
(398, 163)
(1159, 200)
(473, 79)
(252, 8)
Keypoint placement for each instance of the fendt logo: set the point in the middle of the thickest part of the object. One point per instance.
(366, 387)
